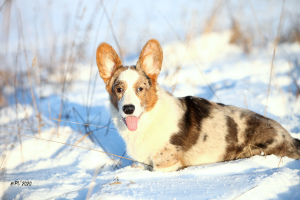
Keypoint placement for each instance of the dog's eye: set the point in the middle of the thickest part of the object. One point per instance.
(119, 90)
(140, 89)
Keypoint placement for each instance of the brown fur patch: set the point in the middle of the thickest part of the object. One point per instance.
(259, 129)
(231, 138)
(284, 148)
(232, 149)
(148, 66)
(112, 85)
(148, 95)
(196, 109)
(107, 61)
(259, 135)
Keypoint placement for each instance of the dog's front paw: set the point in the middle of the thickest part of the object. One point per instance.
(139, 166)
(168, 159)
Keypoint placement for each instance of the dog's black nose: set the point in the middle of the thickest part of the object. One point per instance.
(128, 109)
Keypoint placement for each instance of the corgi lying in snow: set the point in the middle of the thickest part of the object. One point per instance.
(171, 133)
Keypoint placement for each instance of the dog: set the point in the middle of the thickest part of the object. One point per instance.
(172, 133)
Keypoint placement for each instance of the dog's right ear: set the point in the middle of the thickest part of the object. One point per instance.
(107, 61)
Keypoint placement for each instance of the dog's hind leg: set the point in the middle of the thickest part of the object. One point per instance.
(168, 159)
(284, 145)
(293, 149)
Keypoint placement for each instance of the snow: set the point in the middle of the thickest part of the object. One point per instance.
(67, 160)
(216, 181)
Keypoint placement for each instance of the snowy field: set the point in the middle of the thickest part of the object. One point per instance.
(55, 124)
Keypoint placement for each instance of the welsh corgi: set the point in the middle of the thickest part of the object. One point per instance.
(171, 133)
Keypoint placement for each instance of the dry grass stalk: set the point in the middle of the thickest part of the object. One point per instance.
(85, 124)
(244, 192)
(2, 162)
(280, 161)
(292, 35)
(4, 81)
(38, 117)
(109, 19)
(91, 187)
(7, 5)
(274, 52)
(239, 37)
(97, 185)
(76, 146)
(297, 86)
(17, 117)
(283, 147)
(81, 139)
(257, 24)
(194, 61)
(245, 99)
(210, 22)
(294, 79)
(250, 151)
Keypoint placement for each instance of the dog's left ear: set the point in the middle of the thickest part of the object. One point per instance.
(150, 59)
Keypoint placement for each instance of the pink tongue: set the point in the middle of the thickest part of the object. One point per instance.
(131, 123)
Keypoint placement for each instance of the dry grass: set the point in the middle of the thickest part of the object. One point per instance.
(5, 81)
(63, 143)
(240, 38)
(292, 35)
(274, 52)
(245, 192)
(211, 20)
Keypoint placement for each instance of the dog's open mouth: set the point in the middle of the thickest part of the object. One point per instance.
(131, 122)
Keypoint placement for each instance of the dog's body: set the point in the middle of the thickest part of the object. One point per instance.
(170, 133)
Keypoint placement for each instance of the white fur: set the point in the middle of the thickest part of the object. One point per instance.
(148, 62)
(154, 128)
(130, 77)
(109, 67)
(213, 149)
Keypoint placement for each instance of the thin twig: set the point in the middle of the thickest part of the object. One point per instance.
(274, 52)
(2, 161)
(55, 197)
(193, 59)
(29, 74)
(113, 32)
(257, 24)
(91, 187)
(77, 146)
(245, 192)
(4, 4)
(279, 161)
(250, 151)
(17, 117)
(82, 123)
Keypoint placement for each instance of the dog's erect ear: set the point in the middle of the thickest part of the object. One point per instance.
(150, 59)
(107, 60)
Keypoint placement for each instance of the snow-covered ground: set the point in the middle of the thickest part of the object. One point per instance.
(66, 159)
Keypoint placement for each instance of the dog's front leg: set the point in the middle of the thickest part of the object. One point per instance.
(168, 159)
(141, 166)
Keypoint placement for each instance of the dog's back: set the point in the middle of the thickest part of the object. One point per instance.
(212, 132)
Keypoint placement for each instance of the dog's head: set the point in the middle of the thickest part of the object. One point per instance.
(132, 89)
